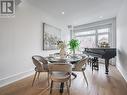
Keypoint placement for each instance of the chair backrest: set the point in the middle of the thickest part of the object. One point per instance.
(62, 67)
(38, 61)
(80, 64)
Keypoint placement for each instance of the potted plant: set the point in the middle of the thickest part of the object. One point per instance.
(73, 45)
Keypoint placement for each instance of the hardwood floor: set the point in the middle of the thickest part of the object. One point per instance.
(99, 84)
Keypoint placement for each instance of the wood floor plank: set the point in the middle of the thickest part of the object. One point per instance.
(99, 84)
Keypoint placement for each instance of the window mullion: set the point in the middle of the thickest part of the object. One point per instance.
(96, 36)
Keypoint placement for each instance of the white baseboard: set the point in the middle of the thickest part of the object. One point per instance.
(16, 77)
(123, 75)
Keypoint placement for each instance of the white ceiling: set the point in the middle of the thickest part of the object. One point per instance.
(78, 11)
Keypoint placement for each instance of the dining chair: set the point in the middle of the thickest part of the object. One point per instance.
(41, 65)
(61, 73)
(81, 66)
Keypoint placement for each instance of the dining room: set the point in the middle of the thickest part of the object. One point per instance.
(68, 47)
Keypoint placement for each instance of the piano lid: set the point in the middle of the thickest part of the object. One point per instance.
(101, 52)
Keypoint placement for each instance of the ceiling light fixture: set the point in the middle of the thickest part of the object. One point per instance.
(62, 13)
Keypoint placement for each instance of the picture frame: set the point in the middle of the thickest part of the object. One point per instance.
(51, 35)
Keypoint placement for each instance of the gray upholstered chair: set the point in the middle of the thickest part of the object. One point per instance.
(60, 72)
(41, 65)
(81, 66)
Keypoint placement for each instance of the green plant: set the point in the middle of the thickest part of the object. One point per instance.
(73, 45)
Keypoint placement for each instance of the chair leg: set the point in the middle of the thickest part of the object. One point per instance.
(85, 77)
(34, 78)
(68, 90)
(90, 62)
(38, 77)
(92, 66)
(51, 87)
(70, 82)
(48, 79)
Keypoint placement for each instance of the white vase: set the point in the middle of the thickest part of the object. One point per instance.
(62, 53)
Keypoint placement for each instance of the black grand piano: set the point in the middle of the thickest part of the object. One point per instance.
(104, 53)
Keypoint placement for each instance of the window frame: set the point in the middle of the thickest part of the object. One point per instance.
(99, 24)
(96, 34)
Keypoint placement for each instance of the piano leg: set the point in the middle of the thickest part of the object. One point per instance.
(106, 66)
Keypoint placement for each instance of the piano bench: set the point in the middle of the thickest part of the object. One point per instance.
(89, 61)
(95, 64)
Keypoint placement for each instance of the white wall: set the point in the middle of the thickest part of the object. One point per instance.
(20, 38)
(122, 40)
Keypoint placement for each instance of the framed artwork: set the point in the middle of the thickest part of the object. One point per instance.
(51, 35)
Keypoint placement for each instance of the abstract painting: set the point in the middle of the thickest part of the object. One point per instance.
(51, 35)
